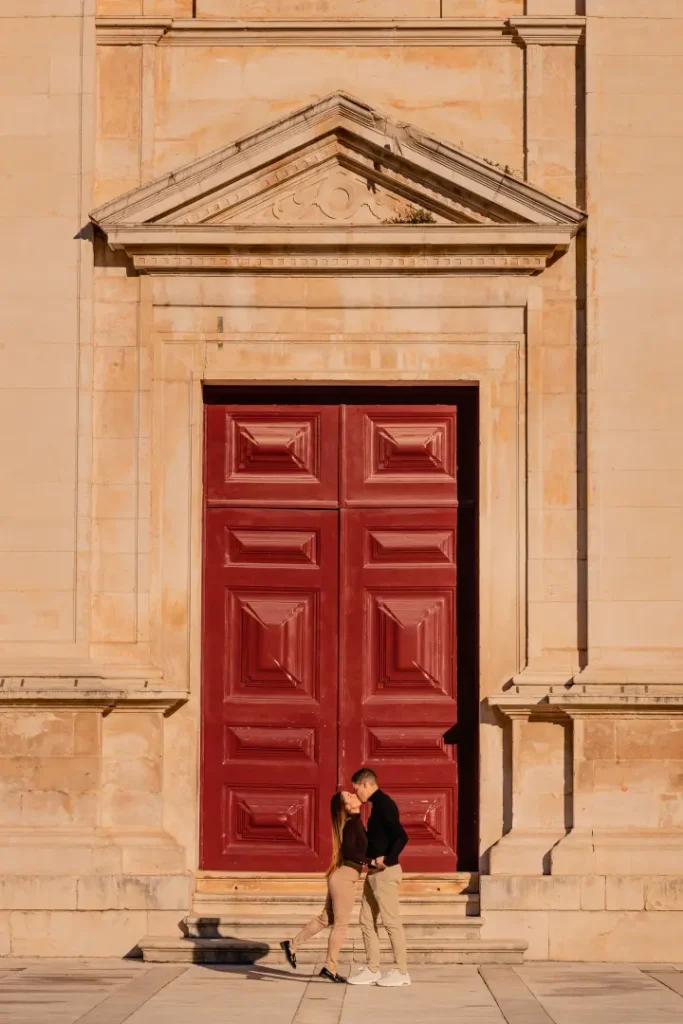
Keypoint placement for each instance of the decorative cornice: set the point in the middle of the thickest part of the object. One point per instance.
(517, 249)
(300, 32)
(524, 30)
(131, 31)
(95, 698)
(335, 264)
(71, 684)
(580, 705)
(551, 31)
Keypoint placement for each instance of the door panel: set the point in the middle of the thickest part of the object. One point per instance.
(398, 676)
(399, 455)
(272, 455)
(270, 688)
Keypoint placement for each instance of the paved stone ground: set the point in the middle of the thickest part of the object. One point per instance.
(111, 992)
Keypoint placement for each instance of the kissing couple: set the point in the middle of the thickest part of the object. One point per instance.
(353, 849)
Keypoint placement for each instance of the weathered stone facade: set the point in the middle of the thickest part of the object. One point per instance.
(530, 113)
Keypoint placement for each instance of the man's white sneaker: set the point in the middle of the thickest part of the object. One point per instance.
(393, 979)
(365, 977)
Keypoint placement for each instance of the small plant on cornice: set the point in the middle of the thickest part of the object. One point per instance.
(415, 215)
(506, 169)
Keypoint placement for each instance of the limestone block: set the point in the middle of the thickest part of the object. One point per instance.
(115, 414)
(631, 936)
(163, 922)
(5, 946)
(631, 852)
(22, 571)
(481, 8)
(114, 501)
(317, 9)
(129, 735)
(68, 775)
(131, 810)
(87, 732)
(115, 369)
(115, 536)
(169, 8)
(118, 91)
(530, 926)
(40, 733)
(135, 774)
(663, 893)
(38, 892)
(76, 933)
(142, 892)
(112, 8)
(115, 324)
(113, 616)
(593, 892)
(645, 739)
(546, 892)
(115, 461)
(46, 856)
(59, 809)
(114, 574)
(151, 858)
(524, 853)
(625, 893)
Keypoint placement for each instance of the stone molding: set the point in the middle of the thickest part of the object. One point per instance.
(127, 31)
(581, 705)
(92, 698)
(151, 264)
(124, 31)
(550, 31)
(131, 31)
(239, 208)
(98, 687)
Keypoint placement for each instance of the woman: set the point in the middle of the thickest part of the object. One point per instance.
(349, 846)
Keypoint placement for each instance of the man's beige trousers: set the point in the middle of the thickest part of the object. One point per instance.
(381, 899)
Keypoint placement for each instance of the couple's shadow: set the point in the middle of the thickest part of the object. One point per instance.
(263, 972)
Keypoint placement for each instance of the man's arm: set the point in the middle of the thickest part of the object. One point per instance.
(396, 833)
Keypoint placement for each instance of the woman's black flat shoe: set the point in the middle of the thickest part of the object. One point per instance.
(286, 948)
(332, 977)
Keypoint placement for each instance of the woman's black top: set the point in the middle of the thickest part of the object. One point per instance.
(354, 841)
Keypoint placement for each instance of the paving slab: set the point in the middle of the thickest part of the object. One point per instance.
(610, 994)
(126, 992)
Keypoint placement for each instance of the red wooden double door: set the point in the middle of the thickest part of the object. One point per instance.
(329, 627)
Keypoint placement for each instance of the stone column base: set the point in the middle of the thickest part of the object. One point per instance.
(593, 852)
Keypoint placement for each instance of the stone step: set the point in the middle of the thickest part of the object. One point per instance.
(240, 951)
(271, 930)
(438, 905)
(281, 884)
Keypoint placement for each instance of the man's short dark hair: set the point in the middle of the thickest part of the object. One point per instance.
(363, 775)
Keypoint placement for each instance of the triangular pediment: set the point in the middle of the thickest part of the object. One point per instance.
(339, 165)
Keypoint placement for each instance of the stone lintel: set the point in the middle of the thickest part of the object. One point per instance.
(515, 249)
(548, 31)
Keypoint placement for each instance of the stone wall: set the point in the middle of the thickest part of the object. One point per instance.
(580, 376)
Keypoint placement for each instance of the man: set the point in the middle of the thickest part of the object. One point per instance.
(386, 839)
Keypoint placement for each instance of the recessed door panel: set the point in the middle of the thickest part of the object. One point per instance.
(272, 455)
(398, 678)
(399, 455)
(270, 688)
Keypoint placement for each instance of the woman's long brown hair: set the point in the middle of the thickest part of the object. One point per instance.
(339, 815)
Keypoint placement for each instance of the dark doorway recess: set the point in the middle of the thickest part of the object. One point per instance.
(340, 618)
